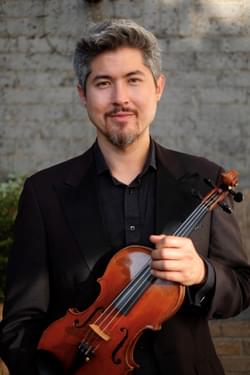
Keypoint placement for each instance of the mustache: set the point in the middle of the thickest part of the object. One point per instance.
(119, 109)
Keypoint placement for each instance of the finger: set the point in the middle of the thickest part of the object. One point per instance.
(163, 240)
(168, 254)
(168, 275)
(157, 239)
(172, 265)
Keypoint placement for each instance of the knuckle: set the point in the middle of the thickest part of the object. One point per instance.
(164, 252)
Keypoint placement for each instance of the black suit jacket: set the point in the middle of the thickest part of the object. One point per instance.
(61, 248)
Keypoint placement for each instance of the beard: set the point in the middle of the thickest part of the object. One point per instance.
(119, 135)
(121, 140)
(116, 134)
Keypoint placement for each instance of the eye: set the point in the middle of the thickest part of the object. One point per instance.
(134, 80)
(103, 84)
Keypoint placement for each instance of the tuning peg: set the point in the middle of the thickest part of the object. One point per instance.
(238, 197)
(209, 182)
(225, 208)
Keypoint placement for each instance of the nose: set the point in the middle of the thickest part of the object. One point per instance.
(120, 95)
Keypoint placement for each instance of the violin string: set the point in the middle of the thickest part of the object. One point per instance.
(186, 227)
(112, 309)
(117, 303)
(110, 324)
(196, 217)
(91, 339)
(200, 208)
(132, 288)
(131, 294)
(198, 213)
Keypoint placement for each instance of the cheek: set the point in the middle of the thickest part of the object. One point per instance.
(97, 101)
(96, 107)
(148, 106)
(146, 98)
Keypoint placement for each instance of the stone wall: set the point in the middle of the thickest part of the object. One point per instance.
(205, 110)
(206, 53)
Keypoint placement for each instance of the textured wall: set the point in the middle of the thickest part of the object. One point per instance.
(206, 57)
(206, 53)
(205, 110)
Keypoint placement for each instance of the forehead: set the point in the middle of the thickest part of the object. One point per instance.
(119, 62)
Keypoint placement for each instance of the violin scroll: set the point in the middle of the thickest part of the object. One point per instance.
(228, 181)
(230, 178)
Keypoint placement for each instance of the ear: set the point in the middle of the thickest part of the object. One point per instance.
(160, 85)
(81, 94)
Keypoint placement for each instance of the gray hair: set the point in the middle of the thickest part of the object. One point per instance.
(110, 35)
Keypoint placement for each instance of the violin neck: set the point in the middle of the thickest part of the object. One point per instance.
(191, 222)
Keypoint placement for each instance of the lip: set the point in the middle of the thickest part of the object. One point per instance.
(122, 116)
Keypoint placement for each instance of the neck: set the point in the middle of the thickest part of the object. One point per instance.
(125, 163)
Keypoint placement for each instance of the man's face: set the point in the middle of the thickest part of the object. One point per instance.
(121, 96)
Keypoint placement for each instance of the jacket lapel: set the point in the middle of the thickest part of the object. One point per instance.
(79, 199)
(174, 200)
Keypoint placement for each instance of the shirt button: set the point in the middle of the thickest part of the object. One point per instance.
(132, 228)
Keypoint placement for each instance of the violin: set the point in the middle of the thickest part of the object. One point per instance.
(102, 338)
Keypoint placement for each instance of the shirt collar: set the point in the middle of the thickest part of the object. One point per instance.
(102, 167)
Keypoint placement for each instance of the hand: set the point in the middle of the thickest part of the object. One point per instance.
(176, 259)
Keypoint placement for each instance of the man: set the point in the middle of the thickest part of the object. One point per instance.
(126, 189)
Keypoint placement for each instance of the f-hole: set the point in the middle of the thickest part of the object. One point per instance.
(77, 322)
(115, 359)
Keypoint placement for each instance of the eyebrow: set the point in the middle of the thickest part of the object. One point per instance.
(106, 76)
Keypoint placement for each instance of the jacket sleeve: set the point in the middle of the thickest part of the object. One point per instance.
(227, 292)
(232, 271)
(27, 292)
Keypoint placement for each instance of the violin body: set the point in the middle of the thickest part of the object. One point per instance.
(101, 339)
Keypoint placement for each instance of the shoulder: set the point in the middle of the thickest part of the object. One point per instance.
(70, 171)
(180, 163)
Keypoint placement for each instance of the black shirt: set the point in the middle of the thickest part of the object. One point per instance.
(127, 210)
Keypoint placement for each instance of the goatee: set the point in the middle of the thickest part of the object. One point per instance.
(121, 140)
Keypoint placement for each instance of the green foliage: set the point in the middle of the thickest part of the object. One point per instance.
(9, 196)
